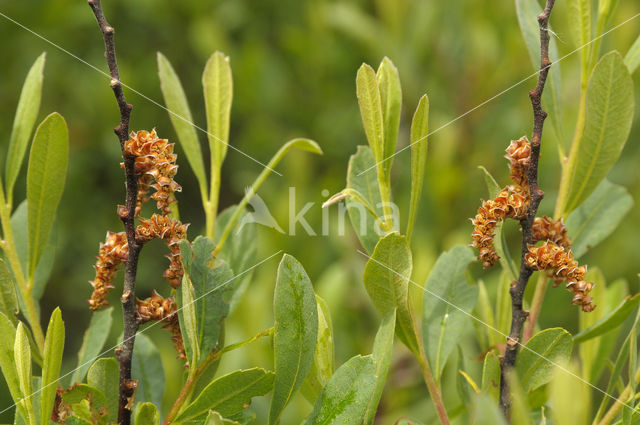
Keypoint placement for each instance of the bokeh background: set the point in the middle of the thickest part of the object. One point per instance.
(294, 64)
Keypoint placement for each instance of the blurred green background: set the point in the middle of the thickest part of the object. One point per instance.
(294, 65)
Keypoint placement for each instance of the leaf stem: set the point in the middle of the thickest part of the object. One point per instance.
(25, 288)
(427, 374)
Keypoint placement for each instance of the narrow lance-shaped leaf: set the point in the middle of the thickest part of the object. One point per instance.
(418, 141)
(8, 362)
(26, 114)
(491, 375)
(371, 109)
(92, 342)
(632, 58)
(229, 394)
(391, 102)
(565, 390)
(612, 320)
(345, 398)
(534, 367)
(598, 216)
(382, 349)
(8, 296)
(187, 314)
(295, 332)
(146, 368)
(45, 182)
(442, 323)
(323, 359)
(609, 114)
(580, 26)
(366, 184)
(53, 348)
(386, 278)
(104, 374)
(218, 94)
(22, 357)
(180, 115)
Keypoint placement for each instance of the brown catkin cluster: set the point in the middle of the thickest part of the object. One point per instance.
(545, 228)
(172, 232)
(551, 256)
(165, 310)
(155, 161)
(511, 202)
(113, 252)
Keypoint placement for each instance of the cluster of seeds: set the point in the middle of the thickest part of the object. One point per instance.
(512, 202)
(155, 161)
(165, 310)
(155, 168)
(551, 256)
(113, 252)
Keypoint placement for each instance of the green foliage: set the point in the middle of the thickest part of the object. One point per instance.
(611, 321)
(391, 102)
(218, 93)
(296, 330)
(447, 303)
(92, 342)
(104, 375)
(8, 297)
(534, 362)
(569, 393)
(52, 360)
(229, 394)
(146, 368)
(147, 414)
(324, 357)
(418, 143)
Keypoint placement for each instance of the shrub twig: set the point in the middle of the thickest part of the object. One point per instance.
(125, 352)
(519, 315)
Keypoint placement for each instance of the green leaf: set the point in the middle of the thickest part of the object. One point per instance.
(240, 252)
(609, 114)
(382, 349)
(22, 358)
(370, 103)
(180, 115)
(486, 334)
(295, 334)
(386, 278)
(147, 414)
(8, 361)
(187, 315)
(214, 418)
(598, 216)
(632, 58)
(52, 360)
(8, 297)
(528, 11)
(345, 398)
(210, 292)
(534, 365)
(503, 305)
(367, 185)
(491, 375)
(442, 324)
(418, 143)
(229, 394)
(567, 394)
(92, 400)
(45, 182)
(146, 368)
(104, 374)
(218, 94)
(323, 360)
(19, 226)
(580, 26)
(391, 102)
(589, 349)
(92, 342)
(486, 411)
(25, 119)
(611, 321)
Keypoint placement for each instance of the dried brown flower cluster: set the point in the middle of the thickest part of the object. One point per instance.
(551, 256)
(511, 202)
(155, 161)
(113, 252)
(172, 232)
(162, 310)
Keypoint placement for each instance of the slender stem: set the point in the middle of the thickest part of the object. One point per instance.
(518, 315)
(125, 352)
(9, 247)
(431, 384)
